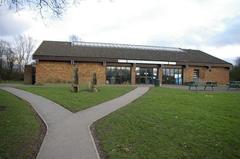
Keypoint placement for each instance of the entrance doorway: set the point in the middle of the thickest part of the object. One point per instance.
(145, 75)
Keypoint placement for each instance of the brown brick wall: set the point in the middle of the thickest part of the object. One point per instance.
(160, 74)
(133, 74)
(54, 72)
(218, 74)
(86, 71)
(28, 74)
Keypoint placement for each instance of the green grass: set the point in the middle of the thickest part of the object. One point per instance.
(174, 124)
(62, 95)
(12, 82)
(21, 131)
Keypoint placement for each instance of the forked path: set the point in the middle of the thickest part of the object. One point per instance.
(68, 135)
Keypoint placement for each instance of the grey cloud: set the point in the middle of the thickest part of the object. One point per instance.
(198, 37)
(10, 25)
(230, 36)
(185, 41)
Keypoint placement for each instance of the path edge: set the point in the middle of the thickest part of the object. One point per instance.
(93, 141)
(92, 131)
(39, 115)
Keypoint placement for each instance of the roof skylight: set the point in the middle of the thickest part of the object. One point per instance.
(112, 45)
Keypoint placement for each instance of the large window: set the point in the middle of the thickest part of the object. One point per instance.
(118, 75)
(172, 76)
(145, 75)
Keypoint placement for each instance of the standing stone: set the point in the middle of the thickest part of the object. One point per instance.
(93, 83)
(75, 81)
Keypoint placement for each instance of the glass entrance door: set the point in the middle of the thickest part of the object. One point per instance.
(145, 75)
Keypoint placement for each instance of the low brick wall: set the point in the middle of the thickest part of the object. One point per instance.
(28, 70)
(61, 72)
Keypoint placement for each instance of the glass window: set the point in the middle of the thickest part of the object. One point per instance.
(172, 72)
(118, 75)
(167, 72)
(172, 76)
(176, 71)
(145, 75)
(154, 71)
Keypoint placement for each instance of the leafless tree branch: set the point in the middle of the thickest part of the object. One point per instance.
(55, 7)
(6, 51)
(24, 46)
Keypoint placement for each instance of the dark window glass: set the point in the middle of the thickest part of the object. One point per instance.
(145, 75)
(172, 76)
(118, 75)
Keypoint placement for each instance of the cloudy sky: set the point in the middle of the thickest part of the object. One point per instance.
(212, 26)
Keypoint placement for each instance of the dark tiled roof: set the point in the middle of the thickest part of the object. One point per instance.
(123, 51)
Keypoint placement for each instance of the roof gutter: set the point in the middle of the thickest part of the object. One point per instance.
(146, 62)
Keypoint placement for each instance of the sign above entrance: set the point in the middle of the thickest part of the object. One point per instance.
(146, 62)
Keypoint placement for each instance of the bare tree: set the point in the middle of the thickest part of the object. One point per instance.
(56, 7)
(30, 45)
(6, 51)
(73, 38)
(11, 58)
(237, 62)
(24, 46)
(235, 72)
(3, 47)
(45, 7)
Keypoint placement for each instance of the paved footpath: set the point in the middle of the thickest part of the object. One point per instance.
(68, 134)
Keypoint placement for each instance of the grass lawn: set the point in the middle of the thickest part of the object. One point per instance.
(173, 124)
(21, 131)
(11, 82)
(62, 95)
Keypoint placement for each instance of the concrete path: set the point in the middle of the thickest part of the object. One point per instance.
(68, 134)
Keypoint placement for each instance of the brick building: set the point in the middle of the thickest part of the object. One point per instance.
(126, 64)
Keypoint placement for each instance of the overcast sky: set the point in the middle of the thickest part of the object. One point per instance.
(212, 26)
